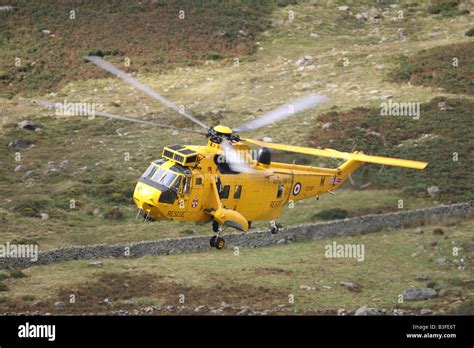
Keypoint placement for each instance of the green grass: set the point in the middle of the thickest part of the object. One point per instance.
(263, 278)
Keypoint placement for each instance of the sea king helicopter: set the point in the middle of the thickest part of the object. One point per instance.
(221, 181)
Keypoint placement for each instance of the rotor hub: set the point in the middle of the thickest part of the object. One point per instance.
(218, 133)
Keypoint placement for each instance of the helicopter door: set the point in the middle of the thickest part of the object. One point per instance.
(183, 191)
(196, 194)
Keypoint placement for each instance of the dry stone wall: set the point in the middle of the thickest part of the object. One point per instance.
(346, 227)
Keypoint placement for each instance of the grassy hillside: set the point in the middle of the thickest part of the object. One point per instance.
(49, 39)
(97, 175)
(448, 67)
(444, 128)
(262, 279)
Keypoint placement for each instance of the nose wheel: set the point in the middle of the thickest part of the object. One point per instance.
(217, 241)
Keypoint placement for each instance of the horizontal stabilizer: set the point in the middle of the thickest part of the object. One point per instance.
(356, 156)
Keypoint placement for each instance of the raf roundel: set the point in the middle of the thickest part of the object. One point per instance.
(296, 189)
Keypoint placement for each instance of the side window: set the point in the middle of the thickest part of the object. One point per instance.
(198, 181)
(280, 191)
(187, 182)
(238, 191)
(176, 186)
(224, 193)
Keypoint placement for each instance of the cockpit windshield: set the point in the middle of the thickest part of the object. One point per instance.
(167, 178)
(163, 176)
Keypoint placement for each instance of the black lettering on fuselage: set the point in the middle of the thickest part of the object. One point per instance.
(323, 179)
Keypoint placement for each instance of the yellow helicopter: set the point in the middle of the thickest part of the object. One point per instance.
(222, 182)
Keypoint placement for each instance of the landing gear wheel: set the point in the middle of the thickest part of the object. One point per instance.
(220, 243)
(273, 227)
(213, 241)
(215, 226)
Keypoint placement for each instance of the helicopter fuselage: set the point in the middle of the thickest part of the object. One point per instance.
(172, 190)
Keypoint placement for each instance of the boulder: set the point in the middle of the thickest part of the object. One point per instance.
(96, 264)
(351, 286)
(433, 190)
(419, 294)
(418, 230)
(441, 261)
(364, 311)
(20, 143)
(27, 125)
(59, 304)
(326, 125)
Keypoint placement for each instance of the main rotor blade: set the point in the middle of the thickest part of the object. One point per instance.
(51, 105)
(284, 111)
(338, 154)
(152, 93)
(238, 162)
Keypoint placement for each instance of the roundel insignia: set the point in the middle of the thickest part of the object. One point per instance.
(296, 189)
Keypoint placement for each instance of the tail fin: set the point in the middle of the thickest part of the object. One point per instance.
(348, 167)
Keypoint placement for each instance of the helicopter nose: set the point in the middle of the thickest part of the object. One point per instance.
(146, 197)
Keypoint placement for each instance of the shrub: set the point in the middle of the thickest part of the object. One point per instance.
(24, 241)
(331, 214)
(284, 3)
(447, 8)
(30, 208)
(96, 52)
(470, 32)
(3, 287)
(16, 273)
(5, 76)
(466, 308)
(212, 55)
(102, 53)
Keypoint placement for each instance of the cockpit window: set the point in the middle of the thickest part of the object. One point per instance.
(177, 183)
(164, 177)
(167, 179)
(150, 171)
(158, 175)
